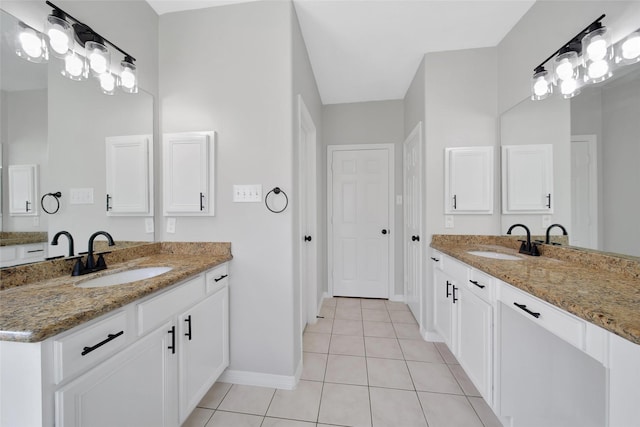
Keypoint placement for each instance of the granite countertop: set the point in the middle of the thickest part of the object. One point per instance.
(35, 311)
(601, 289)
(12, 238)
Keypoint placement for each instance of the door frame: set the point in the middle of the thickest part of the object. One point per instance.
(391, 206)
(307, 172)
(592, 141)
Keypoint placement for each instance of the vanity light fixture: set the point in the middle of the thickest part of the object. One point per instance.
(81, 50)
(589, 57)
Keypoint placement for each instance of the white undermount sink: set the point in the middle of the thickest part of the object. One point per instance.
(495, 255)
(123, 277)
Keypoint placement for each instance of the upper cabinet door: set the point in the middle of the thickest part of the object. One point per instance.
(129, 175)
(23, 190)
(527, 178)
(469, 180)
(189, 173)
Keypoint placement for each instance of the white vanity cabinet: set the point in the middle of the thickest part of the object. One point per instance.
(469, 180)
(189, 160)
(22, 254)
(23, 190)
(129, 175)
(527, 179)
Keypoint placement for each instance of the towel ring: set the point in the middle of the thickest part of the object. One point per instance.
(56, 196)
(276, 190)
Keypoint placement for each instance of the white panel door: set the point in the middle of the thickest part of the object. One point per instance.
(360, 227)
(413, 237)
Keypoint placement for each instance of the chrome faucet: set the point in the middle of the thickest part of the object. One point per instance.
(54, 242)
(564, 232)
(526, 247)
(91, 263)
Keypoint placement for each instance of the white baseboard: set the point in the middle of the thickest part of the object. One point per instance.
(399, 298)
(431, 336)
(258, 379)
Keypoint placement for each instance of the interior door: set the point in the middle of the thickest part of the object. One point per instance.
(413, 237)
(584, 192)
(360, 233)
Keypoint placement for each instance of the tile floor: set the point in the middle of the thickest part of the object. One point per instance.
(365, 364)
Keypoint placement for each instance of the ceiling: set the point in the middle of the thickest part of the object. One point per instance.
(369, 50)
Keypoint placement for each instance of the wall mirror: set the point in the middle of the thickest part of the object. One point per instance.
(61, 126)
(596, 137)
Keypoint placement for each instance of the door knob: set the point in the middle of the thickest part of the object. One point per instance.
(415, 238)
(385, 231)
(307, 238)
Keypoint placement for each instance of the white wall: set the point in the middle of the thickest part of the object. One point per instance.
(375, 122)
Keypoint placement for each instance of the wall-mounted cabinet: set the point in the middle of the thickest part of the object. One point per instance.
(189, 171)
(527, 179)
(23, 190)
(468, 180)
(129, 175)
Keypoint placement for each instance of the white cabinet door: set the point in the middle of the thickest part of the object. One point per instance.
(474, 341)
(469, 180)
(443, 306)
(204, 348)
(129, 175)
(23, 190)
(135, 388)
(527, 178)
(188, 173)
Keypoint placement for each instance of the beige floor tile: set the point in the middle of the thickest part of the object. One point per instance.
(232, 419)
(329, 302)
(313, 366)
(485, 413)
(446, 353)
(385, 348)
(327, 312)
(347, 344)
(373, 304)
(407, 330)
(322, 326)
(346, 370)
(198, 418)
(463, 380)
(214, 396)
(348, 303)
(447, 410)
(348, 313)
(398, 316)
(279, 422)
(397, 305)
(420, 350)
(378, 329)
(300, 404)
(247, 399)
(316, 343)
(373, 315)
(346, 405)
(388, 373)
(393, 408)
(347, 327)
(435, 377)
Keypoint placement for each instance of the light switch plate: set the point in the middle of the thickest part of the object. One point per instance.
(81, 196)
(148, 225)
(247, 193)
(171, 225)
(448, 221)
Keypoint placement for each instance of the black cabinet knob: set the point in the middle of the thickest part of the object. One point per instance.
(385, 231)
(307, 238)
(415, 238)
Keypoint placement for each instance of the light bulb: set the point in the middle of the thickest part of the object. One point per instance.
(107, 83)
(568, 88)
(30, 43)
(564, 70)
(127, 78)
(597, 70)
(540, 87)
(73, 65)
(59, 40)
(597, 49)
(98, 63)
(631, 47)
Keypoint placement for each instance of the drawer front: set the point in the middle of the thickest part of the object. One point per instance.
(436, 259)
(457, 270)
(481, 285)
(562, 324)
(217, 278)
(89, 346)
(33, 251)
(154, 312)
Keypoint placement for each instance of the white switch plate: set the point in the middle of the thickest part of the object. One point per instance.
(448, 221)
(247, 193)
(171, 225)
(148, 225)
(81, 196)
(546, 221)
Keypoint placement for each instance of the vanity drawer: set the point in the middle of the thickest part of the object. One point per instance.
(92, 344)
(482, 285)
(217, 278)
(436, 258)
(457, 270)
(564, 325)
(157, 310)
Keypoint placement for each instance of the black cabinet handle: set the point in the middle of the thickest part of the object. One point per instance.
(455, 202)
(415, 238)
(110, 337)
(524, 308)
(454, 294)
(108, 198)
(307, 238)
(201, 201)
(172, 347)
(26, 206)
(35, 250)
(385, 231)
(549, 200)
(475, 282)
(448, 293)
(435, 259)
(188, 333)
(220, 278)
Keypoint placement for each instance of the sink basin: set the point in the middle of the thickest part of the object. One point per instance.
(495, 255)
(123, 277)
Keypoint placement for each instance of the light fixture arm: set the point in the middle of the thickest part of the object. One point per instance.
(595, 24)
(85, 33)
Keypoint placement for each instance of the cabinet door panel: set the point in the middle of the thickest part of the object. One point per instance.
(469, 180)
(23, 188)
(129, 174)
(443, 306)
(527, 178)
